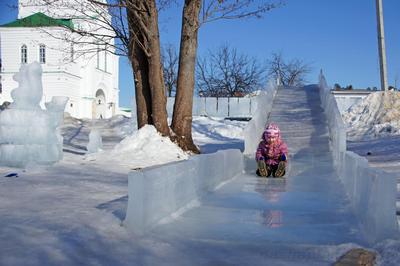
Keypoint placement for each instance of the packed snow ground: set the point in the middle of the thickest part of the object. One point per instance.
(71, 213)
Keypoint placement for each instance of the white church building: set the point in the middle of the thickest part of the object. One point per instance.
(90, 81)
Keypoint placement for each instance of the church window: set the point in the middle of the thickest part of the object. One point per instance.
(42, 54)
(24, 54)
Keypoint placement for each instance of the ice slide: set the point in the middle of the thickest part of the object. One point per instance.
(299, 220)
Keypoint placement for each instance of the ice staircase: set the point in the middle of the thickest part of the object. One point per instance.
(298, 220)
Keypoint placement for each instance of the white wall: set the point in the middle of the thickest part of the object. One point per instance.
(219, 107)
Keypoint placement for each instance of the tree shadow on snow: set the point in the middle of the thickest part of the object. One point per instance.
(117, 207)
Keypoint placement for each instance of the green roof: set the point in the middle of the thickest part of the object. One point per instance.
(40, 20)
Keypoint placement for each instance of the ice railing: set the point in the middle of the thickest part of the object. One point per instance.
(372, 192)
(254, 129)
(157, 193)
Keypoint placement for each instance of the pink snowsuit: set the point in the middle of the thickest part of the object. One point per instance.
(272, 153)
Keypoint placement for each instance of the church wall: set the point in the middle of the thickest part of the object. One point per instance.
(79, 80)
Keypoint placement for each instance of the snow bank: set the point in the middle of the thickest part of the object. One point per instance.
(372, 192)
(253, 131)
(146, 147)
(376, 115)
(157, 192)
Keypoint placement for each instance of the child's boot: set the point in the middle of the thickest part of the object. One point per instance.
(280, 171)
(262, 168)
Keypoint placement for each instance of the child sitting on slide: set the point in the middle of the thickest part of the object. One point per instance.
(271, 155)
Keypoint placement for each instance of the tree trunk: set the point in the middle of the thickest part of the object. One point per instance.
(156, 79)
(142, 88)
(144, 51)
(182, 116)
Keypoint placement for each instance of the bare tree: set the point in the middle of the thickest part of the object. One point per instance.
(122, 27)
(134, 23)
(292, 73)
(228, 74)
(196, 13)
(144, 37)
(169, 60)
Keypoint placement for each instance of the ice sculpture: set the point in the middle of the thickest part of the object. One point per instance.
(29, 134)
(95, 142)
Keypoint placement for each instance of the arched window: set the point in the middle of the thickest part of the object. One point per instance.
(24, 54)
(42, 54)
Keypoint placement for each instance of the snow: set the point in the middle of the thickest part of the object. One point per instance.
(146, 147)
(71, 213)
(376, 116)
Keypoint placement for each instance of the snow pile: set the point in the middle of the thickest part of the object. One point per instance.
(376, 115)
(29, 134)
(145, 147)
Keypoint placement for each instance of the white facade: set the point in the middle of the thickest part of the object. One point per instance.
(90, 81)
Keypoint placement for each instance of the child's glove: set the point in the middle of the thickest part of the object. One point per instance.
(283, 157)
(261, 158)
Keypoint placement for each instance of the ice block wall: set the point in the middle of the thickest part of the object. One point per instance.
(253, 130)
(157, 192)
(372, 192)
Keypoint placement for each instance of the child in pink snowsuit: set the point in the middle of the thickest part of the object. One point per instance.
(271, 155)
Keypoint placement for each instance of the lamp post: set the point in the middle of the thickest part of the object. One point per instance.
(381, 43)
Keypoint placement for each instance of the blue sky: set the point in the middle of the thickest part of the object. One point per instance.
(338, 36)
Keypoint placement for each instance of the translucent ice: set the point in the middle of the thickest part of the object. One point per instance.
(157, 192)
(29, 134)
(252, 132)
(372, 192)
(95, 141)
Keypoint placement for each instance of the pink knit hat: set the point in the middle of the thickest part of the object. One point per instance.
(272, 130)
